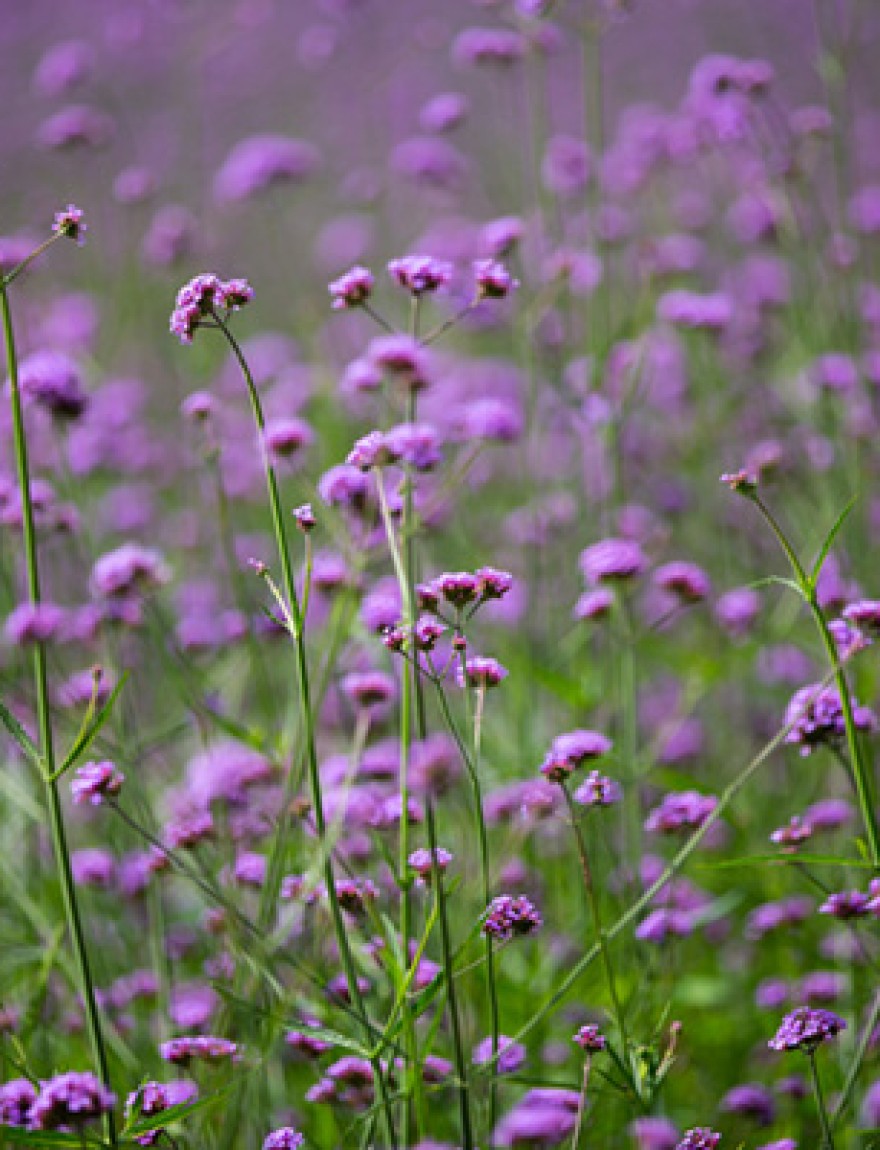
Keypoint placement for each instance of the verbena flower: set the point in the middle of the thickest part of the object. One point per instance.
(508, 916)
(420, 274)
(285, 1138)
(70, 223)
(202, 1048)
(152, 1099)
(700, 1138)
(201, 298)
(71, 1099)
(95, 782)
(352, 289)
(590, 1039)
(806, 1028)
(815, 715)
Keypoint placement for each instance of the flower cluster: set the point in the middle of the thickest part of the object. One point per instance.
(806, 1028)
(508, 916)
(205, 298)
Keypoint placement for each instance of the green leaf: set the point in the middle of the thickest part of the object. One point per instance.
(90, 730)
(337, 1039)
(20, 735)
(829, 541)
(757, 860)
(173, 1114)
(780, 581)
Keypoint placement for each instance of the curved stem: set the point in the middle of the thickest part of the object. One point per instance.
(861, 775)
(595, 911)
(53, 801)
(307, 717)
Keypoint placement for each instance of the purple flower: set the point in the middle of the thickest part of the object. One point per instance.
(203, 1047)
(660, 924)
(130, 568)
(508, 916)
(285, 437)
(816, 717)
(680, 810)
(597, 790)
(594, 605)
(423, 862)
(31, 623)
(401, 357)
(480, 672)
(805, 1029)
(493, 280)
(203, 297)
(352, 289)
(611, 560)
(75, 126)
(512, 1054)
(653, 1133)
(700, 1138)
(796, 832)
(685, 580)
(753, 1100)
(285, 1138)
(16, 1099)
(689, 309)
(69, 223)
(420, 274)
(153, 1098)
(846, 905)
(590, 1039)
(865, 615)
(488, 46)
(94, 782)
(261, 162)
(443, 112)
(70, 1099)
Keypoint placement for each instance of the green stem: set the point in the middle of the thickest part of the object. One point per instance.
(861, 775)
(307, 717)
(595, 911)
(827, 1135)
(53, 800)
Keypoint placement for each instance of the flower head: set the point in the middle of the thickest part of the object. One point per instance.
(204, 296)
(805, 1029)
(510, 915)
(420, 274)
(70, 1099)
(352, 289)
(95, 782)
(700, 1138)
(69, 223)
(590, 1039)
(285, 1138)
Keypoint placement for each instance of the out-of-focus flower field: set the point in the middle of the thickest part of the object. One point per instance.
(438, 582)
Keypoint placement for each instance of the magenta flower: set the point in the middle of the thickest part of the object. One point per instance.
(70, 223)
(95, 782)
(805, 1029)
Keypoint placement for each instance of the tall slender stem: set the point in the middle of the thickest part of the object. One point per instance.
(307, 719)
(827, 1135)
(860, 771)
(595, 910)
(53, 800)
